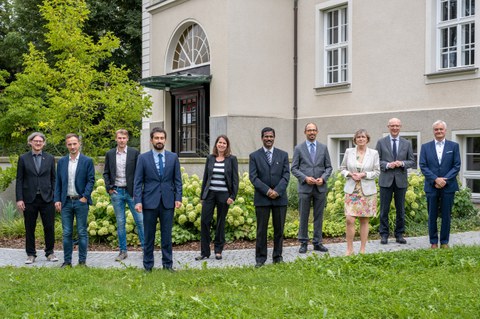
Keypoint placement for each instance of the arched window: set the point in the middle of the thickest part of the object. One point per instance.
(192, 49)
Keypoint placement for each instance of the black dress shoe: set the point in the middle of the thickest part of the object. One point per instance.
(201, 257)
(303, 248)
(384, 240)
(258, 265)
(218, 256)
(401, 240)
(169, 269)
(278, 260)
(320, 247)
(66, 265)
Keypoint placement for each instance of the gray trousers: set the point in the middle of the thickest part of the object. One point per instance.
(304, 205)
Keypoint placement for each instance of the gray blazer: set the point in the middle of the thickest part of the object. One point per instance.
(302, 166)
(404, 154)
(371, 167)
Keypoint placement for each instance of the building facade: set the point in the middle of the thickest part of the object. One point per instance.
(234, 66)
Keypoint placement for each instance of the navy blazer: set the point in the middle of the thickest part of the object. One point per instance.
(149, 188)
(231, 175)
(110, 170)
(264, 176)
(29, 180)
(449, 167)
(84, 179)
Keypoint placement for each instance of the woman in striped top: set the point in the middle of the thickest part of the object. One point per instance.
(219, 188)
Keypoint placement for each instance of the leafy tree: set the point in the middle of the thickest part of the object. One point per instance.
(69, 93)
(22, 23)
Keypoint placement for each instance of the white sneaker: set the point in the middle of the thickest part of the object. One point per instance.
(52, 257)
(30, 260)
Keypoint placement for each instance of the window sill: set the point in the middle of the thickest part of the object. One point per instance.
(454, 74)
(334, 88)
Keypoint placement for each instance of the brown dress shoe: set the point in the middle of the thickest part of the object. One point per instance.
(434, 246)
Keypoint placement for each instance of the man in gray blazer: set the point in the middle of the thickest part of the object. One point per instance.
(312, 167)
(396, 156)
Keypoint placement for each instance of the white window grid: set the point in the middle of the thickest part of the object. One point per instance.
(192, 49)
(336, 45)
(456, 33)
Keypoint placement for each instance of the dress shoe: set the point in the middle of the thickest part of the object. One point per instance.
(66, 265)
(169, 269)
(434, 246)
(444, 246)
(303, 248)
(384, 240)
(218, 256)
(258, 265)
(401, 240)
(320, 247)
(201, 257)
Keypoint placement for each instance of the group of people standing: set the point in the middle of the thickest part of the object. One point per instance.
(150, 184)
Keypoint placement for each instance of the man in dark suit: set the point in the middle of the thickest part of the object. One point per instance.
(396, 157)
(440, 164)
(74, 185)
(312, 167)
(157, 192)
(34, 192)
(119, 173)
(269, 174)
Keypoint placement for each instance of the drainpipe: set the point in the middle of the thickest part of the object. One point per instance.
(295, 70)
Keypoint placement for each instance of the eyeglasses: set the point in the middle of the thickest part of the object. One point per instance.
(37, 141)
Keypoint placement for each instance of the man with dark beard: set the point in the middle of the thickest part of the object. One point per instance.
(157, 192)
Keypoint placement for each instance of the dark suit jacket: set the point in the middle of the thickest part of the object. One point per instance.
(399, 174)
(231, 175)
(149, 188)
(449, 167)
(264, 176)
(29, 181)
(110, 170)
(84, 179)
(303, 166)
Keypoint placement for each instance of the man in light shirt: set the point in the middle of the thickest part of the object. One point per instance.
(119, 173)
(74, 185)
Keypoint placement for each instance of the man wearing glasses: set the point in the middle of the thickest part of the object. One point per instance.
(34, 194)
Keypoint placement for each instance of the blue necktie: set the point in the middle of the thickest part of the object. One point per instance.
(269, 157)
(312, 152)
(394, 149)
(160, 164)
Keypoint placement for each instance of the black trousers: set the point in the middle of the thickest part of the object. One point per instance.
(218, 199)
(278, 220)
(47, 214)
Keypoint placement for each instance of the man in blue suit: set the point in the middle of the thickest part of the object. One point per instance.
(157, 192)
(440, 164)
(269, 173)
(73, 187)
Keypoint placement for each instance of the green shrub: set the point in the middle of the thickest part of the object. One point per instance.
(8, 174)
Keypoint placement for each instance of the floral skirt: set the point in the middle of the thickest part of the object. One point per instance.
(359, 205)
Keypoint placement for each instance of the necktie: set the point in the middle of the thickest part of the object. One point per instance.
(160, 164)
(269, 157)
(394, 149)
(36, 160)
(312, 151)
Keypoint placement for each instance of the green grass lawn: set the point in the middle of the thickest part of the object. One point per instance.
(407, 284)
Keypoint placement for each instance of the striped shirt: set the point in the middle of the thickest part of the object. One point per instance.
(218, 182)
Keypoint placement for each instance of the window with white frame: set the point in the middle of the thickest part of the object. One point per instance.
(471, 166)
(455, 33)
(333, 54)
(336, 45)
(414, 140)
(337, 145)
